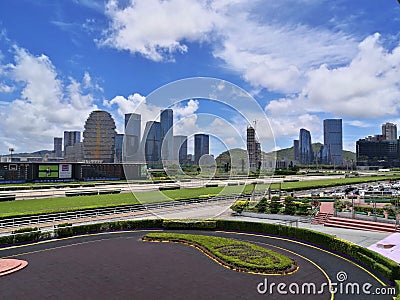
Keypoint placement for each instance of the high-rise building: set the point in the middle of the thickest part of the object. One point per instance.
(167, 133)
(99, 137)
(378, 152)
(70, 139)
(201, 146)
(152, 143)
(119, 140)
(333, 142)
(306, 153)
(132, 135)
(296, 153)
(74, 153)
(253, 149)
(58, 147)
(389, 131)
(180, 149)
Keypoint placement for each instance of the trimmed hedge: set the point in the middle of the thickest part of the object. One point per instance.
(32, 236)
(167, 188)
(25, 229)
(382, 265)
(189, 224)
(108, 226)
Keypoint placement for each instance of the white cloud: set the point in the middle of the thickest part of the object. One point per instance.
(157, 29)
(45, 106)
(4, 88)
(365, 88)
(185, 110)
(274, 55)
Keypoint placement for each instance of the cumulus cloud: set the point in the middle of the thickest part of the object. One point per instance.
(272, 55)
(365, 88)
(156, 29)
(45, 106)
(185, 110)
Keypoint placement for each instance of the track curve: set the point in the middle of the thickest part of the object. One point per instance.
(121, 266)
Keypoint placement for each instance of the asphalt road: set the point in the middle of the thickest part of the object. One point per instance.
(121, 266)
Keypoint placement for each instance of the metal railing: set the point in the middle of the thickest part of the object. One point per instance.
(36, 220)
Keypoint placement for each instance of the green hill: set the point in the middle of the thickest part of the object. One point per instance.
(289, 153)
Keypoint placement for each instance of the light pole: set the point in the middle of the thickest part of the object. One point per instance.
(11, 152)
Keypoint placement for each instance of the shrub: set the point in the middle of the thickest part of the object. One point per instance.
(275, 205)
(290, 207)
(189, 224)
(25, 229)
(262, 205)
(239, 206)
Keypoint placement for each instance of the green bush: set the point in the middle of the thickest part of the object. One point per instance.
(262, 206)
(275, 205)
(290, 206)
(25, 229)
(27, 237)
(64, 225)
(167, 188)
(240, 205)
(108, 226)
(189, 224)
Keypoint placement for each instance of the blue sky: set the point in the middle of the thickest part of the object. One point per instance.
(301, 60)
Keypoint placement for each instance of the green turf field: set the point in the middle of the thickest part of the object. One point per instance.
(48, 205)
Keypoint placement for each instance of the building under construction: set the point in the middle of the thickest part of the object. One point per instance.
(253, 150)
(99, 137)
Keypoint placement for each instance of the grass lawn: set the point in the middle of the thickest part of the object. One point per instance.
(50, 205)
(233, 253)
(313, 184)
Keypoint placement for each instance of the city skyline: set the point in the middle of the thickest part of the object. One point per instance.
(79, 56)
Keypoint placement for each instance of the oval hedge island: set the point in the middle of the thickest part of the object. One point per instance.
(234, 254)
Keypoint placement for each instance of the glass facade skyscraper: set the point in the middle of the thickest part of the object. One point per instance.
(132, 136)
(333, 142)
(152, 143)
(180, 149)
(306, 153)
(167, 133)
(58, 147)
(201, 146)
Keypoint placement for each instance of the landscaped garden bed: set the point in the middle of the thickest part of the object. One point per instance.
(237, 255)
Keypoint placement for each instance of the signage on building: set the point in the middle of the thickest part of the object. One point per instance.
(65, 171)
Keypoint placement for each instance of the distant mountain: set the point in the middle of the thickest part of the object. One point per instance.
(289, 153)
(40, 153)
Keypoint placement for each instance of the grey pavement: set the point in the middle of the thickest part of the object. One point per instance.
(360, 237)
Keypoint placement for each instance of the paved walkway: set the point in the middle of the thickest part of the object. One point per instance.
(359, 237)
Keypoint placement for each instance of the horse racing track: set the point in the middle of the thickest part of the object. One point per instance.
(122, 266)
